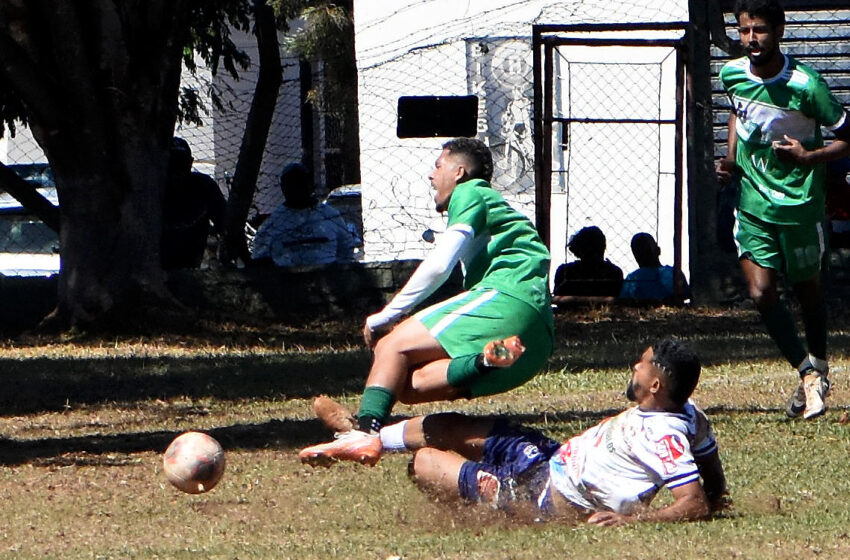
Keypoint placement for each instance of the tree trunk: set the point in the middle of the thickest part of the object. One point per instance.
(117, 66)
(256, 134)
(110, 231)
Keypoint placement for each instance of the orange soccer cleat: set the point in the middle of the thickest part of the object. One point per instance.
(503, 353)
(353, 445)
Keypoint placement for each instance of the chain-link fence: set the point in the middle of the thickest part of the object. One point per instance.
(489, 54)
(29, 247)
(610, 167)
(614, 158)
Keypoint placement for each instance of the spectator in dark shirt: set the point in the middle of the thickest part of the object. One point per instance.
(592, 277)
(194, 207)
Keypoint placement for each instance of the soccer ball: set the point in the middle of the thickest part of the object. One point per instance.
(194, 462)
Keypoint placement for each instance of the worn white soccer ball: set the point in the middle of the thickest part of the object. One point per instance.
(194, 462)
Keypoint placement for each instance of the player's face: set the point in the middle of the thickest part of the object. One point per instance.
(444, 178)
(759, 39)
(645, 374)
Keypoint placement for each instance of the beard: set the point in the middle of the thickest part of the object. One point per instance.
(764, 57)
(630, 392)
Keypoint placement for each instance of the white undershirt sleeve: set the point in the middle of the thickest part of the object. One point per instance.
(428, 276)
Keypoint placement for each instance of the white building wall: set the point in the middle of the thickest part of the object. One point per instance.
(428, 47)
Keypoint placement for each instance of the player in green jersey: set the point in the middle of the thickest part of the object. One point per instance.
(776, 148)
(437, 354)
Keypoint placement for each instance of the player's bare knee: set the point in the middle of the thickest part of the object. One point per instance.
(421, 464)
(386, 345)
(763, 295)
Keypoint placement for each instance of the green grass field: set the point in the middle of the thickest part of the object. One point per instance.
(84, 424)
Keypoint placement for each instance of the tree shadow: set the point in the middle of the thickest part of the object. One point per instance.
(111, 450)
(46, 384)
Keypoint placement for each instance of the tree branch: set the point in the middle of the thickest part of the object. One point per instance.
(29, 197)
(256, 133)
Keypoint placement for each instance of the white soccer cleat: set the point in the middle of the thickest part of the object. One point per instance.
(816, 387)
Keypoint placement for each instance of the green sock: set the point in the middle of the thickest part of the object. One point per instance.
(463, 369)
(781, 327)
(375, 406)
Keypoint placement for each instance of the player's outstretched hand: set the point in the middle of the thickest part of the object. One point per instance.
(608, 519)
(372, 336)
(503, 353)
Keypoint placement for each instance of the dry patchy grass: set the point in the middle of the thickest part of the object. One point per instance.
(85, 422)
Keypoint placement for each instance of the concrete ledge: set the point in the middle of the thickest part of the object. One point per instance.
(315, 292)
(318, 291)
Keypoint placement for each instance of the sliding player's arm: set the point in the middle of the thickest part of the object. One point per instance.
(689, 504)
(714, 481)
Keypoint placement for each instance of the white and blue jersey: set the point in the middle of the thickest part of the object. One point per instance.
(623, 461)
(617, 465)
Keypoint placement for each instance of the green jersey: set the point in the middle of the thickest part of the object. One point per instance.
(507, 253)
(796, 102)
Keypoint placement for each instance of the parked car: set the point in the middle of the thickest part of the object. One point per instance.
(28, 247)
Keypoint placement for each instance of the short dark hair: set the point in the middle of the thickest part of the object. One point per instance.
(297, 186)
(587, 242)
(680, 366)
(645, 249)
(770, 10)
(478, 157)
(180, 156)
(295, 172)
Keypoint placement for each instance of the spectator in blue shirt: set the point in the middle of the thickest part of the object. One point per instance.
(652, 281)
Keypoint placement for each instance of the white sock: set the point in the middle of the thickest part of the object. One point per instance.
(392, 437)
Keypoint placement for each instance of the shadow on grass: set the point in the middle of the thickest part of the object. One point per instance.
(107, 450)
(55, 384)
(111, 450)
(607, 341)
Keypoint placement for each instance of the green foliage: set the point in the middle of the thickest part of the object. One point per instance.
(328, 35)
(206, 32)
(210, 22)
(287, 10)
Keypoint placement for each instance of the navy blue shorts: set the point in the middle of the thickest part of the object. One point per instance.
(517, 456)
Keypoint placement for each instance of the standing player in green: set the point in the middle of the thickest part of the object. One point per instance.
(778, 108)
(446, 351)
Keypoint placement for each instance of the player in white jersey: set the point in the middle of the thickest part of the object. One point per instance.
(610, 472)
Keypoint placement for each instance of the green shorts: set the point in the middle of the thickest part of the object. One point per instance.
(464, 324)
(795, 249)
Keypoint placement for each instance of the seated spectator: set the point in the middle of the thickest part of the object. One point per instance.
(652, 281)
(194, 207)
(302, 231)
(592, 275)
